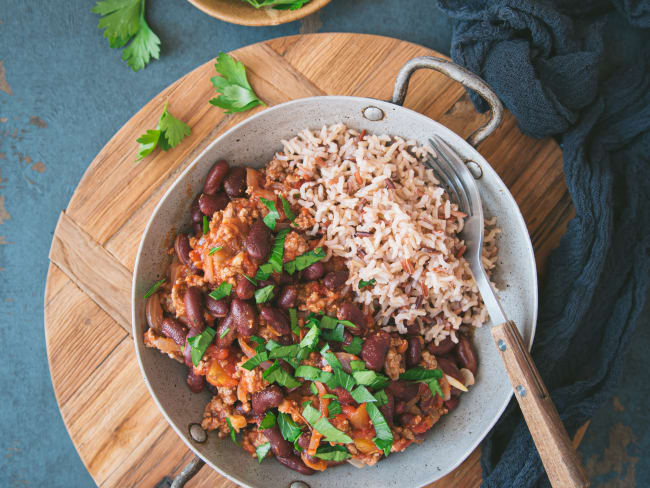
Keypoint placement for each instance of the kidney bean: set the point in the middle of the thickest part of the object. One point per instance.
(258, 241)
(388, 410)
(239, 408)
(414, 351)
(452, 403)
(304, 440)
(209, 204)
(244, 317)
(336, 279)
(444, 347)
(287, 279)
(287, 297)
(374, 350)
(195, 211)
(465, 353)
(349, 311)
(197, 227)
(276, 319)
(448, 366)
(403, 390)
(215, 177)
(344, 396)
(244, 289)
(211, 388)
(347, 338)
(217, 308)
(195, 381)
(269, 397)
(313, 272)
(235, 182)
(295, 463)
(279, 446)
(173, 329)
(153, 312)
(183, 248)
(228, 337)
(193, 299)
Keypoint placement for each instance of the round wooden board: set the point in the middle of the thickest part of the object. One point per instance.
(117, 429)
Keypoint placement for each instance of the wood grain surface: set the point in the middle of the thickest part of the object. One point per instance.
(117, 429)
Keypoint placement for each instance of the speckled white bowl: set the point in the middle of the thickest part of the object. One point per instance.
(253, 143)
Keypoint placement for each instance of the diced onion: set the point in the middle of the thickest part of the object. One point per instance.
(454, 382)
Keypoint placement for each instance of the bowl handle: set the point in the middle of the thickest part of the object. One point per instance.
(461, 75)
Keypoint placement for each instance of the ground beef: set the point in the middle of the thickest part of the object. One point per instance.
(315, 297)
(294, 245)
(428, 360)
(394, 362)
(163, 344)
(214, 416)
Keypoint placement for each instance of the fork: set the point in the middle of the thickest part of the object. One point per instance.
(560, 459)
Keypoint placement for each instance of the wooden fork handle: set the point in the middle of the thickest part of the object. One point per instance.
(560, 459)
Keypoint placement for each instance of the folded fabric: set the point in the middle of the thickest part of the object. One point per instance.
(544, 61)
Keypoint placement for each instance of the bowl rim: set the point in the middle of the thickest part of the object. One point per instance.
(284, 16)
(451, 136)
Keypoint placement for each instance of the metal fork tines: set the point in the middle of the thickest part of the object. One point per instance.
(451, 171)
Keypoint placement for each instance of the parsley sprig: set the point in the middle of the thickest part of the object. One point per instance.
(168, 134)
(236, 93)
(278, 4)
(124, 23)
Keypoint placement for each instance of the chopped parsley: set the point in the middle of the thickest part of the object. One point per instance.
(304, 260)
(371, 379)
(275, 374)
(200, 343)
(154, 288)
(273, 215)
(268, 421)
(252, 280)
(333, 453)
(263, 295)
(362, 395)
(287, 209)
(322, 425)
(232, 431)
(224, 332)
(363, 283)
(262, 450)
(334, 408)
(274, 264)
(421, 374)
(384, 439)
(206, 225)
(355, 346)
(288, 428)
(293, 316)
(215, 249)
(222, 291)
(313, 374)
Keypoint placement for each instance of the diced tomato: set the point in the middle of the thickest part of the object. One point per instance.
(365, 446)
(220, 373)
(314, 463)
(358, 416)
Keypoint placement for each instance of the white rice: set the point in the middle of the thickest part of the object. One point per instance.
(413, 225)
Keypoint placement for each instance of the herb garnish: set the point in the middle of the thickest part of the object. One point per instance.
(154, 288)
(273, 215)
(206, 225)
(224, 332)
(304, 260)
(268, 421)
(370, 379)
(275, 374)
(274, 264)
(262, 450)
(236, 93)
(232, 431)
(252, 280)
(333, 453)
(322, 425)
(293, 316)
(313, 374)
(287, 209)
(264, 294)
(384, 439)
(288, 428)
(200, 343)
(362, 395)
(215, 249)
(278, 4)
(168, 134)
(222, 292)
(355, 346)
(334, 408)
(363, 283)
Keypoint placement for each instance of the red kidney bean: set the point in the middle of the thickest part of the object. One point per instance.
(153, 312)
(465, 353)
(295, 463)
(183, 248)
(403, 390)
(444, 347)
(336, 279)
(349, 311)
(388, 410)
(269, 397)
(211, 388)
(344, 396)
(244, 289)
(195, 381)
(239, 408)
(215, 177)
(194, 307)
(406, 418)
(244, 317)
(347, 338)
(217, 308)
(258, 241)
(452, 403)
(195, 211)
(414, 351)
(235, 182)
(229, 336)
(304, 440)
(173, 329)
(209, 204)
(313, 272)
(412, 329)
(279, 446)
(287, 279)
(276, 319)
(448, 366)
(287, 297)
(374, 349)
(197, 227)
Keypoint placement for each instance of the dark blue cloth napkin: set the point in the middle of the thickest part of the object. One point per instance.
(544, 59)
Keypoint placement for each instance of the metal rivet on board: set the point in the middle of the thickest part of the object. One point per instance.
(501, 345)
(475, 169)
(197, 433)
(373, 113)
(521, 390)
(298, 484)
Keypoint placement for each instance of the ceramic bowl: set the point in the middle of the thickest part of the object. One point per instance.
(242, 13)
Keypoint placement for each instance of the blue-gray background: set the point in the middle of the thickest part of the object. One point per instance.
(64, 93)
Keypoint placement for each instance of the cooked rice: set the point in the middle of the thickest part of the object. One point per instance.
(383, 210)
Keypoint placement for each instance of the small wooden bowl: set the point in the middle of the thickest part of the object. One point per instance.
(242, 13)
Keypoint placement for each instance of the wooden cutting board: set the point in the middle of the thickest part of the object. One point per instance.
(115, 425)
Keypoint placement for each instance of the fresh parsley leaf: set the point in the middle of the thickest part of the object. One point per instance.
(222, 292)
(357, 365)
(313, 374)
(381, 397)
(334, 408)
(355, 346)
(338, 334)
(268, 421)
(278, 4)
(224, 332)
(330, 395)
(123, 21)
(258, 340)
(434, 386)
(262, 450)
(169, 133)
(215, 249)
(288, 428)
(421, 374)
(255, 361)
(154, 288)
(312, 388)
(331, 359)
(275, 374)
(311, 338)
(236, 93)
(384, 439)
(200, 343)
(284, 351)
(263, 295)
(206, 225)
(293, 316)
(370, 379)
(322, 425)
(363, 283)
(362, 395)
(333, 453)
(343, 379)
(304, 260)
(287, 209)
(252, 280)
(274, 263)
(273, 215)
(327, 322)
(232, 431)
(148, 142)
